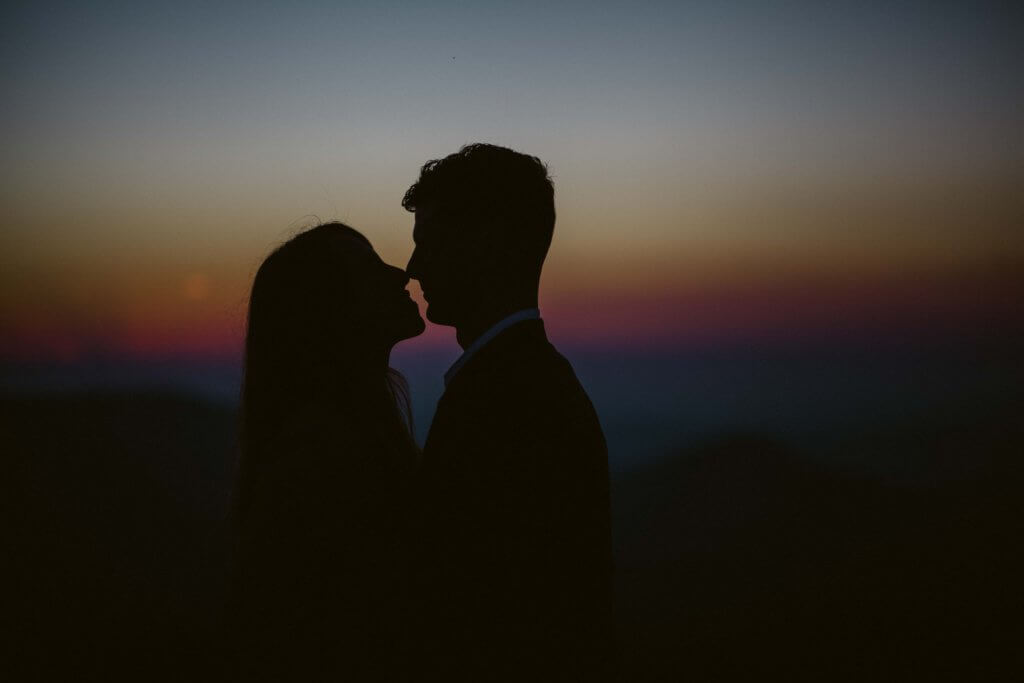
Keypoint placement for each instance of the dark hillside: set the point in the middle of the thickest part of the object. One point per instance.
(737, 558)
(116, 506)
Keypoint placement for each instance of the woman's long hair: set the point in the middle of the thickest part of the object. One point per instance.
(305, 348)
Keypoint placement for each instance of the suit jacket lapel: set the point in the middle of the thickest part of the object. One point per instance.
(479, 369)
(435, 436)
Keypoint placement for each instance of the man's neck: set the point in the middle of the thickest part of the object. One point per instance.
(470, 330)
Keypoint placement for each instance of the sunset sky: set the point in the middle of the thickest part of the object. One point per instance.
(723, 171)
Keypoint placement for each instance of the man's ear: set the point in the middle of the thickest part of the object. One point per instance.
(515, 248)
(490, 241)
(493, 228)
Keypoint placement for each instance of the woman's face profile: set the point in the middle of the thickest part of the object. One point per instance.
(380, 299)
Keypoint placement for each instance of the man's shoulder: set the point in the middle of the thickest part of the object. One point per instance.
(532, 386)
(520, 363)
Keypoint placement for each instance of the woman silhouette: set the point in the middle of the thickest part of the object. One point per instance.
(326, 458)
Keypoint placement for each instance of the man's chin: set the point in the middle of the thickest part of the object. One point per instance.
(438, 316)
(414, 329)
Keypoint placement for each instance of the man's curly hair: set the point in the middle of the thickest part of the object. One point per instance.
(488, 181)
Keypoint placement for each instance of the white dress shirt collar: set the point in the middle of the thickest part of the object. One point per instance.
(495, 329)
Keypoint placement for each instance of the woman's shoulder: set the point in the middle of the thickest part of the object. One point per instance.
(319, 418)
(319, 434)
(336, 440)
(312, 457)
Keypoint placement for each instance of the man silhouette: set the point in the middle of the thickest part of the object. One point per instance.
(515, 574)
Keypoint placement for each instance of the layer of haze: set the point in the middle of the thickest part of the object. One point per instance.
(723, 171)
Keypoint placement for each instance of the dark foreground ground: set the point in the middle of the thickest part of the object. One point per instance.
(738, 558)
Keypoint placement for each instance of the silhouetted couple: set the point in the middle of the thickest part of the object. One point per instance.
(358, 558)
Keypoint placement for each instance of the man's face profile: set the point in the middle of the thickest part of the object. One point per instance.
(442, 261)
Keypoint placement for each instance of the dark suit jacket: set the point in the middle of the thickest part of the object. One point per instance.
(516, 566)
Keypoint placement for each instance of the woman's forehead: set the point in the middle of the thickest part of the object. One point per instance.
(355, 251)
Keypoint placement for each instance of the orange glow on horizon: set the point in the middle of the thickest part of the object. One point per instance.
(711, 313)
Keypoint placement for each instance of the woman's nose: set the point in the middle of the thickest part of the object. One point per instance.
(400, 275)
